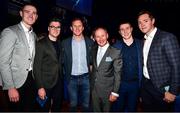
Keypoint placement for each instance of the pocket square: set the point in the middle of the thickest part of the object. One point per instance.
(108, 59)
(167, 88)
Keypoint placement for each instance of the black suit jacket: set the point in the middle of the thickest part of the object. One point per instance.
(105, 78)
(47, 67)
(67, 55)
(163, 61)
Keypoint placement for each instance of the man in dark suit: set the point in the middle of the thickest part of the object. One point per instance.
(161, 69)
(76, 59)
(131, 48)
(106, 72)
(47, 68)
(17, 50)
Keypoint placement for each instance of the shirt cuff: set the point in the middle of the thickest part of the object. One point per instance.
(114, 94)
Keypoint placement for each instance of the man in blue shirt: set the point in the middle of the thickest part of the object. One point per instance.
(76, 52)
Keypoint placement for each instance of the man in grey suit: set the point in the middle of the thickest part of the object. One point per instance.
(47, 68)
(106, 72)
(17, 50)
(161, 69)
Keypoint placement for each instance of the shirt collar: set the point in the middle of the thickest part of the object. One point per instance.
(104, 47)
(151, 35)
(25, 28)
(73, 38)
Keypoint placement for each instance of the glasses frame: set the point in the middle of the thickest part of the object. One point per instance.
(54, 27)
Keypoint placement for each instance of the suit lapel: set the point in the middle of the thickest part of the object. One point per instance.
(153, 44)
(88, 48)
(69, 50)
(95, 57)
(23, 37)
(34, 41)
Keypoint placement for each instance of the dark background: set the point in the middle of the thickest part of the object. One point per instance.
(104, 12)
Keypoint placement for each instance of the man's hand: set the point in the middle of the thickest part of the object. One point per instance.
(112, 98)
(13, 95)
(169, 97)
(42, 93)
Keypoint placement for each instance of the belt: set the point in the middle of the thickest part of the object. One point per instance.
(80, 76)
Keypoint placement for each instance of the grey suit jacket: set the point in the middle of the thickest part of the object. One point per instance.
(163, 62)
(14, 56)
(106, 77)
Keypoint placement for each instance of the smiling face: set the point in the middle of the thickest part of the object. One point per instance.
(101, 36)
(145, 23)
(54, 29)
(77, 28)
(125, 30)
(29, 15)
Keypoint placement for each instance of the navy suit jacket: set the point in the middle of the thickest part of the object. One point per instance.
(163, 62)
(67, 55)
(139, 46)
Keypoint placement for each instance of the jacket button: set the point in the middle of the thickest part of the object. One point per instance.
(27, 69)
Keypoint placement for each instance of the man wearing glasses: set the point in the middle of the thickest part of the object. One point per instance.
(47, 69)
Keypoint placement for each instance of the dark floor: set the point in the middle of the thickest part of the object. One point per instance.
(4, 106)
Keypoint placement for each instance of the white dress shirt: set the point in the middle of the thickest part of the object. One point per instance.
(146, 48)
(30, 41)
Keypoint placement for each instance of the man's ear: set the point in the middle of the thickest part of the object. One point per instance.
(20, 12)
(153, 20)
(107, 35)
(71, 28)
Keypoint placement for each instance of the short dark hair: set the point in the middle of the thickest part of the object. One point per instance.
(77, 18)
(28, 4)
(146, 12)
(125, 22)
(54, 19)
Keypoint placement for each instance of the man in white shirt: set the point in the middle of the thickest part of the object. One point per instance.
(161, 55)
(17, 50)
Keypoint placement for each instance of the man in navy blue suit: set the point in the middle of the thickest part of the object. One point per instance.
(131, 71)
(161, 69)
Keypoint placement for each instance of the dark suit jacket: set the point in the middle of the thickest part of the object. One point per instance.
(67, 55)
(106, 77)
(139, 47)
(163, 61)
(47, 67)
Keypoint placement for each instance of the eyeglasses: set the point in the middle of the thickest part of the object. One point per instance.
(54, 27)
